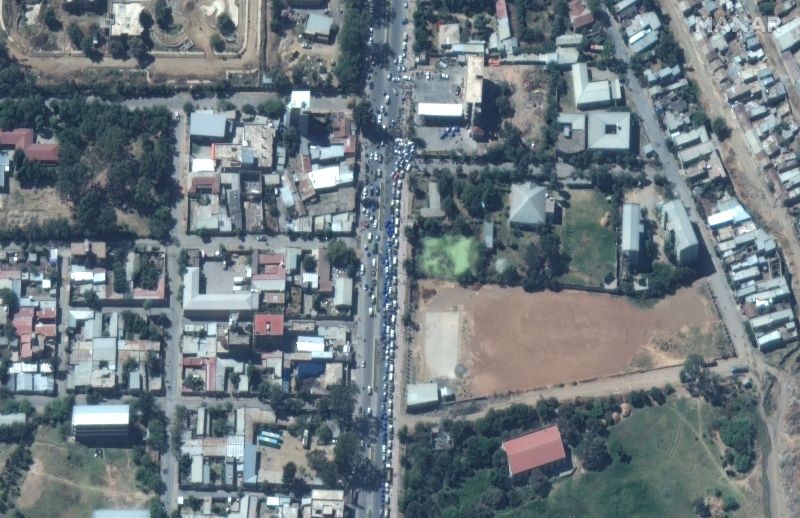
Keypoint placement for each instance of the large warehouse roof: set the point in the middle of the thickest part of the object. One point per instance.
(422, 394)
(534, 450)
(100, 415)
(440, 109)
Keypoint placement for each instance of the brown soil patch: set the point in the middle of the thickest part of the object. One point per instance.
(512, 340)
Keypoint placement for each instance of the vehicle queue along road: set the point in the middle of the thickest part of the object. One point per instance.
(385, 164)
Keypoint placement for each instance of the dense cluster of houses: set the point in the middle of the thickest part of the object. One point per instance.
(243, 178)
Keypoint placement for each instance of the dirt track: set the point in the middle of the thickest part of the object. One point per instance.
(552, 338)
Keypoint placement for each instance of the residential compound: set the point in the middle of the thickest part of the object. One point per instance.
(244, 179)
(31, 278)
(268, 310)
(754, 265)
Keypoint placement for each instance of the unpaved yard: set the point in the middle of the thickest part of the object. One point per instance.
(511, 340)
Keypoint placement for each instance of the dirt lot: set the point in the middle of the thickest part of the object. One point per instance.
(67, 480)
(529, 98)
(553, 337)
(21, 206)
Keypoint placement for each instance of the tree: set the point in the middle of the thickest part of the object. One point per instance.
(75, 34)
(342, 256)
(539, 483)
(225, 24)
(118, 47)
(249, 109)
(10, 301)
(595, 454)
(161, 223)
(217, 43)
(95, 215)
(289, 473)
(91, 299)
(272, 108)
(324, 434)
(163, 14)
(291, 140)
(146, 20)
(51, 20)
(157, 435)
(363, 115)
(188, 108)
(139, 50)
(721, 129)
(309, 263)
(346, 454)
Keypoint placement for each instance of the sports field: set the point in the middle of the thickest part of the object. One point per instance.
(447, 257)
(67, 480)
(674, 460)
(591, 245)
(500, 339)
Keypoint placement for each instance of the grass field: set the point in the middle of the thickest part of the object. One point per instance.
(447, 257)
(591, 246)
(673, 463)
(67, 480)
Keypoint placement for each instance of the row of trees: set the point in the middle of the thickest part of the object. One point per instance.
(352, 66)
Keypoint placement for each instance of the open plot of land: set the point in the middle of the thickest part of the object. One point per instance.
(22, 206)
(511, 340)
(588, 238)
(673, 462)
(529, 98)
(447, 257)
(67, 480)
(273, 460)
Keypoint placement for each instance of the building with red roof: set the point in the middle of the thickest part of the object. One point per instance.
(22, 139)
(543, 448)
(580, 15)
(267, 328)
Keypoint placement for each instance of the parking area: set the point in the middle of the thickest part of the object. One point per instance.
(442, 83)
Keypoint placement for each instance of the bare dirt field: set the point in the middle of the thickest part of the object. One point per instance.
(529, 98)
(507, 339)
(22, 206)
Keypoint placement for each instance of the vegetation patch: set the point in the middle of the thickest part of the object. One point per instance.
(448, 257)
(588, 237)
(67, 479)
(671, 461)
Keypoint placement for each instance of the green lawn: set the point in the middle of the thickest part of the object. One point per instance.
(70, 482)
(447, 257)
(592, 247)
(672, 464)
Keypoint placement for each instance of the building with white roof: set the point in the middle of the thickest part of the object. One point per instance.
(331, 177)
(101, 423)
(787, 37)
(675, 219)
(593, 94)
(440, 113)
(632, 229)
(196, 304)
(125, 18)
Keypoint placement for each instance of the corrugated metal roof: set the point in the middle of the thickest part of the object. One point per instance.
(98, 415)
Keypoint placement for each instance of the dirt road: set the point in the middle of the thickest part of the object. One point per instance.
(613, 385)
(750, 183)
(751, 186)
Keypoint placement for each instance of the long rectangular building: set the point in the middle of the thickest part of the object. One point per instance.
(101, 423)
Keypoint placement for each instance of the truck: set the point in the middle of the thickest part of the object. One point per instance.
(739, 369)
